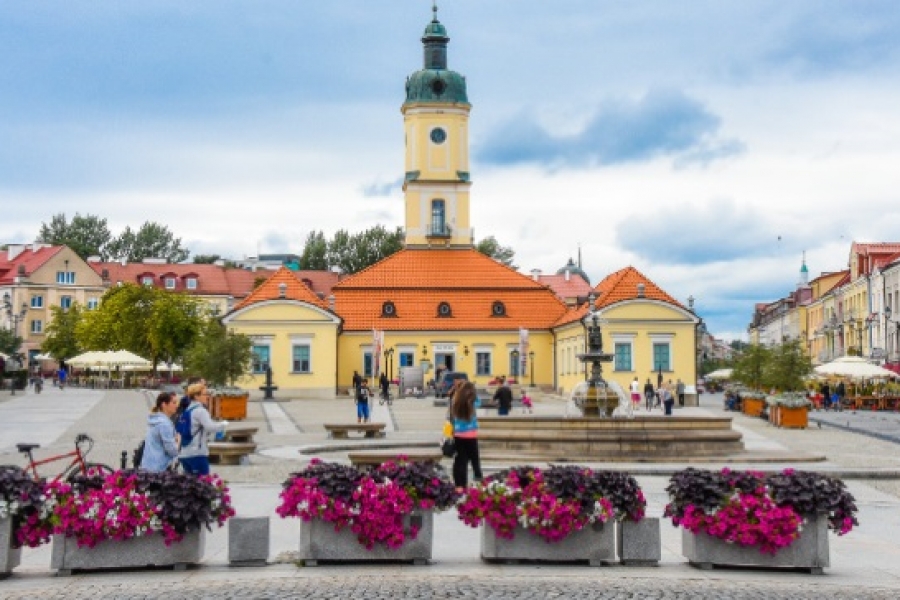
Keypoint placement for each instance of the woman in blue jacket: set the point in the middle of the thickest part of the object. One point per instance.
(161, 443)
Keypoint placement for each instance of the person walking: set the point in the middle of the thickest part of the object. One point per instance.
(840, 391)
(825, 390)
(679, 391)
(61, 377)
(667, 399)
(357, 382)
(194, 455)
(649, 394)
(161, 442)
(465, 434)
(504, 398)
(362, 402)
(635, 393)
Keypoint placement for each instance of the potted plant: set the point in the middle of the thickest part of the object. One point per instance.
(789, 409)
(222, 357)
(564, 513)
(385, 513)
(130, 519)
(21, 499)
(748, 518)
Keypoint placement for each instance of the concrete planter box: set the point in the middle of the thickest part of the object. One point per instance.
(135, 553)
(9, 556)
(248, 541)
(640, 543)
(809, 551)
(595, 544)
(320, 542)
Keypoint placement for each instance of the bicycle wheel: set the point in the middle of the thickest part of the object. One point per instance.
(90, 470)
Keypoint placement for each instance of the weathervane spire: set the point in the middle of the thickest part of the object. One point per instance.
(434, 9)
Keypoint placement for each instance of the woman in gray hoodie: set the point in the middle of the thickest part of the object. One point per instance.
(161, 443)
(194, 456)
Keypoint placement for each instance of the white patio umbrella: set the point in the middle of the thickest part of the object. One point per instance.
(854, 367)
(720, 374)
(108, 359)
(86, 359)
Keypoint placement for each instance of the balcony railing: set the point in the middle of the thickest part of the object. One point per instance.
(437, 230)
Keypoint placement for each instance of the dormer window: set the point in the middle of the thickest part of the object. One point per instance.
(388, 309)
(498, 309)
(190, 283)
(147, 280)
(170, 283)
(444, 310)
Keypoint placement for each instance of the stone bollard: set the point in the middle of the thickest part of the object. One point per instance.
(248, 541)
(640, 543)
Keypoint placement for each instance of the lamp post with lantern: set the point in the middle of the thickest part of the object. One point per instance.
(15, 317)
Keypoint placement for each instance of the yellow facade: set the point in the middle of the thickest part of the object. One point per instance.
(281, 326)
(855, 300)
(637, 327)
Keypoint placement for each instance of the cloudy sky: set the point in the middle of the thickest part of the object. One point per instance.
(707, 143)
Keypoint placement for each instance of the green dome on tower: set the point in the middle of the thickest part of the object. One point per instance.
(435, 82)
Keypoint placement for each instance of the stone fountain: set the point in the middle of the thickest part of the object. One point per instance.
(594, 397)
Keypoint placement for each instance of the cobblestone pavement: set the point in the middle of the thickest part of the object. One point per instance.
(881, 425)
(369, 585)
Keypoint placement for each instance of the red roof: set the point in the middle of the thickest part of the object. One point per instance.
(29, 258)
(574, 287)
(212, 280)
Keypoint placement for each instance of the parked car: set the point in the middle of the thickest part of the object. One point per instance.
(442, 388)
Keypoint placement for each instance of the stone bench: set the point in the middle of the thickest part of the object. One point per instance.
(230, 453)
(341, 430)
(376, 457)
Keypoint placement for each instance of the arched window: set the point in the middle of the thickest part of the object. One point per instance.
(498, 309)
(444, 310)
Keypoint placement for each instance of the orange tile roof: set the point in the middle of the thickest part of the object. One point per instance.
(439, 269)
(620, 287)
(417, 280)
(212, 280)
(295, 290)
(31, 259)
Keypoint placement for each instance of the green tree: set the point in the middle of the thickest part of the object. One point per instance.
(354, 252)
(220, 356)
(750, 368)
(10, 344)
(61, 340)
(206, 259)
(315, 252)
(788, 366)
(153, 323)
(86, 235)
(152, 240)
(489, 246)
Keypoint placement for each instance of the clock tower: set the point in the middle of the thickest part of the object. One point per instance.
(436, 122)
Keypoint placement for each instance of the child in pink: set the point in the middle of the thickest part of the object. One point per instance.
(526, 404)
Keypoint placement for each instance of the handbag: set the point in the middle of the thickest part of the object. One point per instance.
(448, 447)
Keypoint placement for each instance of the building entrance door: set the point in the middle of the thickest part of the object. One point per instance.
(444, 361)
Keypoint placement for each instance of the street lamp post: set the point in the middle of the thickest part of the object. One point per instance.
(14, 319)
(389, 362)
(531, 362)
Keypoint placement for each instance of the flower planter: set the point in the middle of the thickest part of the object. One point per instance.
(793, 418)
(320, 542)
(134, 553)
(640, 543)
(595, 544)
(9, 556)
(809, 551)
(230, 407)
(753, 407)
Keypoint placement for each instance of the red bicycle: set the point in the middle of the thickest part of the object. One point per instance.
(78, 465)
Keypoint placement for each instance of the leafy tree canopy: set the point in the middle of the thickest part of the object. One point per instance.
(489, 246)
(86, 235)
(61, 341)
(206, 259)
(152, 240)
(218, 355)
(9, 342)
(315, 252)
(350, 252)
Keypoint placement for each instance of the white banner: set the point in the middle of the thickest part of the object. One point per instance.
(523, 351)
(377, 347)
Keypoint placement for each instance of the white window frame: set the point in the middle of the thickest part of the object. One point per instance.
(169, 283)
(190, 283)
(147, 280)
(93, 303)
(623, 338)
(65, 277)
(490, 361)
(302, 344)
(37, 326)
(65, 302)
(37, 301)
(260, 343)
(662, 339)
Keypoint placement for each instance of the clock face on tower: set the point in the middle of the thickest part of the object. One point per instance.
(438, 135)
